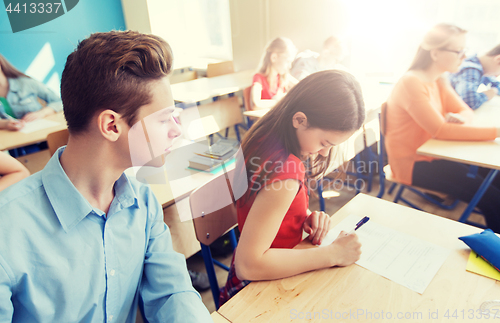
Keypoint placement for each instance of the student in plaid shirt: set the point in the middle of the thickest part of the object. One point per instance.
(474, 72)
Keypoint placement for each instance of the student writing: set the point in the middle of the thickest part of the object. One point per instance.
(320, 112)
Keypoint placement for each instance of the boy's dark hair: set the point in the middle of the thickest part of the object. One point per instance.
(494, 51)
(112, 70)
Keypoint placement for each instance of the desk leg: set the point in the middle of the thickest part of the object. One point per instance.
(479, 194)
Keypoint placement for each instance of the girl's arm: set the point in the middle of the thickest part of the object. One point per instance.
(256, 260)
(258, 102)
(11, 171)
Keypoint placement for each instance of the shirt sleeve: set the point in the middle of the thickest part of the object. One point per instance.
(493, 81)
(6, 306)
(452, 102)
(432, 121)
(467, 83)
(44, 93)
(166, 289)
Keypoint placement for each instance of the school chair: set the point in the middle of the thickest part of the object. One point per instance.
(207, 119)
(57, 139)
(183, 77)
(214, 214)
(431, 196)
(222, 68)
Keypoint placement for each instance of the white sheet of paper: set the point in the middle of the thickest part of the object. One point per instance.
(402, 258)
(38, 125)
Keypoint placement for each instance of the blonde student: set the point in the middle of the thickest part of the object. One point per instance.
(11, 171)
(23, 99)
(320, 112)
(423, 105)
(273, 79)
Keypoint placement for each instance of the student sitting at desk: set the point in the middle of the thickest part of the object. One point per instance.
(273, 79)
(320, 112)
(423, 105)
(80, 241)
(11, 171)
(474, 72)
(308, 62)
(20, 98)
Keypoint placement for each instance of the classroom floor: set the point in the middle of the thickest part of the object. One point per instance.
(332, 205)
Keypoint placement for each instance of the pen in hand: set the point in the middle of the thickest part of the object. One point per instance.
(359, 224)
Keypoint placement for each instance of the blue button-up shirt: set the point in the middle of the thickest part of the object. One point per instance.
(62, 260)
(467, 80)
(23, 97)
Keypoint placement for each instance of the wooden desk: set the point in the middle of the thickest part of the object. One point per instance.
(16, 139)
(349, 289)
(477, 153)
(207, 88)
(218, 318)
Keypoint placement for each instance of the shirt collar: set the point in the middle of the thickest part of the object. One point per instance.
(13, 84)
(68, 203)
(474, 62)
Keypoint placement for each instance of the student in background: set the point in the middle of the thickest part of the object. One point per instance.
(90, 241)
(11, 171)
(308, 62)
(320, 112)
(273, 79)
(19, 98)
(474, 72)
(423, 105)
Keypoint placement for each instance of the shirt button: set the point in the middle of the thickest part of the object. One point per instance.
(112, 272)
(110, 318)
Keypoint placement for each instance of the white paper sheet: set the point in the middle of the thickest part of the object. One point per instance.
(402, 258)
(38, 125)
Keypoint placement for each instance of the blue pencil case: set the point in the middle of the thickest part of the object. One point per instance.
(487, 245)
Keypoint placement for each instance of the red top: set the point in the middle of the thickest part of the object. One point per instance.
(266, 94)
(290, 232)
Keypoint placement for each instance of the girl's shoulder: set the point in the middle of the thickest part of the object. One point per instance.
(290, 168)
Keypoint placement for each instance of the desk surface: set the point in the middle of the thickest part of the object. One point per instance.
(353, 288)
(477, 153)
(16, 139)
(207, 88)
(218, 318)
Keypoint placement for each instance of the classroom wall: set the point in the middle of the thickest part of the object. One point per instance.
(136, 15)
(308, 24)
(53, 41)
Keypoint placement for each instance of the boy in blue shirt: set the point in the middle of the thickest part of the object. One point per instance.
(80, 241)
(474, 72)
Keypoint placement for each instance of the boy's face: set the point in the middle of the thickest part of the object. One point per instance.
(152, 136)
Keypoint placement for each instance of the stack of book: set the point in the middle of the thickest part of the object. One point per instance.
(220, 152)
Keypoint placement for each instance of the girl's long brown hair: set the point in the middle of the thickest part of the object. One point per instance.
(9, 70)
(331, 100)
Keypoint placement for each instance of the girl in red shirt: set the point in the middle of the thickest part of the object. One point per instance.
(320, 112)
(273, 78)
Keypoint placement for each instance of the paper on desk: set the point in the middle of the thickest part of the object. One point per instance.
(38, 125)
(480, 266)
(402, 258)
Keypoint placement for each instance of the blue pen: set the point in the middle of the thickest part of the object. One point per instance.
(360, 223)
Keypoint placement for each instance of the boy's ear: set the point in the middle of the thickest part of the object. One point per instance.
(496, 59)
(110, 124)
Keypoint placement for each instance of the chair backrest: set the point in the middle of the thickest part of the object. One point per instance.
(221, 68)
(383, 118)
(183, 77)
(206, 119)
(213, 209)
(247, 99)
(57, 139)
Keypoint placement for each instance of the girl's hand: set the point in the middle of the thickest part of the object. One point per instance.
(454, 118)
(32, 116)
(12, 125)
(345, 250)
(317, 224)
